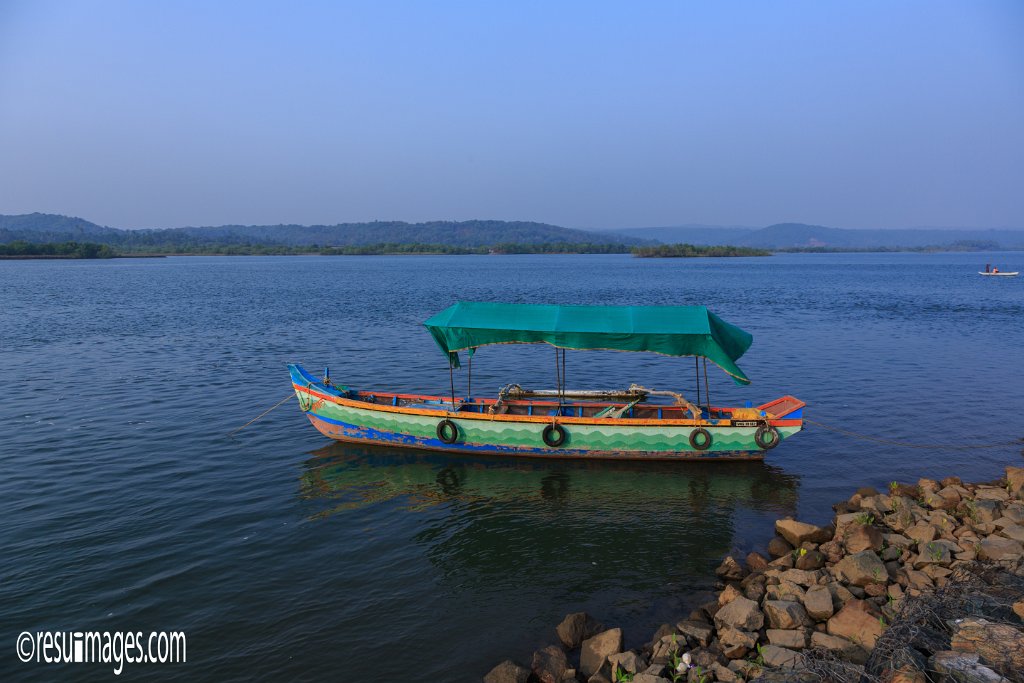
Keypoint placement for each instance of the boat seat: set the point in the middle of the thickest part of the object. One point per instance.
(445, 407)
(612, 411)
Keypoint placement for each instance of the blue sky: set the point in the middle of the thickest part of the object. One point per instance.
(583, 114)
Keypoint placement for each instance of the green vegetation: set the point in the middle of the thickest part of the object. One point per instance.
(503, 248)
(22, 249)
(691, 251)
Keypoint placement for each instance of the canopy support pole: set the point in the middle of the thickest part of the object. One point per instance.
(707, 390)
(451, 376)
(469, 378)
(696, 376)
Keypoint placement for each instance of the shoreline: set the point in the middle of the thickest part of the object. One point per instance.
(845, 602)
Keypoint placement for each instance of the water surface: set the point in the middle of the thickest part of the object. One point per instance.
(126, 506)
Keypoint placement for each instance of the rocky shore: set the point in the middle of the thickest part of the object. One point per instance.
(920, 583)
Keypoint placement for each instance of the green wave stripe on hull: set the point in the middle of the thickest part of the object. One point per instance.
(340, 421)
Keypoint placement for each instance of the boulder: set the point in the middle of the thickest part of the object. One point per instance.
(785, 590)
(1015, 480)
(576, 628)
(794, 639)
(550, 664)
(741, 614)
(863, 537)
(962, 668)
(756, 562)
(649, 678)
(985, 511)
(1018, 609)
(629, 662)
(809, 559)
(908, 674)
(730, 570)
(596, 650)
(862, 568)
(736, 644)
(1014, 532)
(779, 657)
(797, 533)
(933, 553)
(507, 672)
(996, 493)
(922, 533)
(1014, 512)
(858, 622)
(696, 630)
(730, 593)
(997, 548)
(785, 614)
(818, 603)
(800, 577)
(1000, 646)
(844, 649)
(779, 547)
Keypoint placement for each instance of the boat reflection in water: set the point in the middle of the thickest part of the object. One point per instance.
(500, 524)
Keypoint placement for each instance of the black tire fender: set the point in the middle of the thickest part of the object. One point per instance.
(554, 435)
(767, 437)
(447, 431)
(703, 442)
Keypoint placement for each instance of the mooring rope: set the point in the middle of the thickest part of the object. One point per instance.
(291, 394)
(904, 444)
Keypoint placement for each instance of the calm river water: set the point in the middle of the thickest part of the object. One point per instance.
(126, 507)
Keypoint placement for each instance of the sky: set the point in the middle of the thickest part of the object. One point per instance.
(581, 114)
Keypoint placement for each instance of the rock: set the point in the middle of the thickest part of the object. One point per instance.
(919, 580)
(898, 540)
(1018, 609)
(649, 678)
(754, 587)
(1014, 532)
(908, 674)
(576, 628)
(857, 622)
(730, 570)
(785, 614)
(756, 562)
(697, 630)
(549, 664)
(933, 553)
(595, 650)
(922, 533)
(809, 560)
(741, 614)
(818, 603)
(736, 644)
(844, 649)
(779, 657)
(663, 630)
(798, 532)
(779, 547)
(984, 511)
(996, 548)
(962, 668)
(862, 568)
(991, 493)
(599, 678)
(629, 662)
(832, 551)
(724, 674)
(863, 537)
(728, 595)
(794, 639)
(1000, 646)
(785, 590)
(784, 562)
(1014, 512)
(507, 672)
(800, 577)
(1015, 480)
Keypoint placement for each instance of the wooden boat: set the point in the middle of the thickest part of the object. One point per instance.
(636, 423)
(997, 273)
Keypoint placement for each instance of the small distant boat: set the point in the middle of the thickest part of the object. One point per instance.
(995, 272)
(636, 423)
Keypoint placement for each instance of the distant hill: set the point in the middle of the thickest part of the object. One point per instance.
(789, 235)
(39, 227)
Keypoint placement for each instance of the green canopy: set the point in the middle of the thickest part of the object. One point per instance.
(669, 330)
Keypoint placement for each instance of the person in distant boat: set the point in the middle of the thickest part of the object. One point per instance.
(995, 270)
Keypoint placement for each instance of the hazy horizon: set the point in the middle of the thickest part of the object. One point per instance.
(596, 116)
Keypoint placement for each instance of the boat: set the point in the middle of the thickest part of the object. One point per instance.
(634, 423)
(995, 272)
